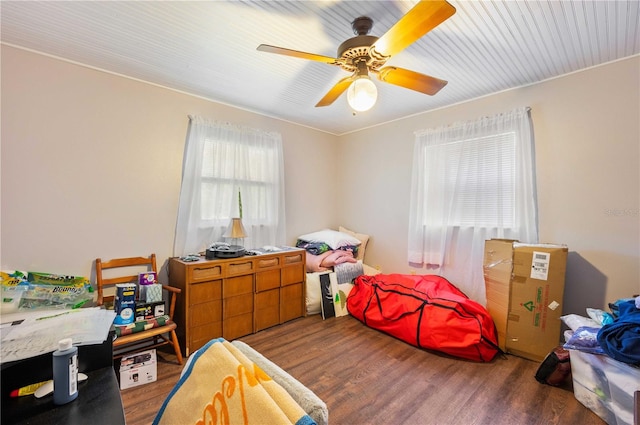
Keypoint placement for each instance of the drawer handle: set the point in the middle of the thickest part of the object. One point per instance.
(293, 258)
(206, 272)
(268, 263)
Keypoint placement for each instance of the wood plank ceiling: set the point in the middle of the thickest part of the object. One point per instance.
(209, 48)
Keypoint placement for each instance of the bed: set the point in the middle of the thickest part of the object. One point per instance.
(336, 257)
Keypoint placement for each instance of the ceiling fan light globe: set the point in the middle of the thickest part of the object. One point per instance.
(362, 94)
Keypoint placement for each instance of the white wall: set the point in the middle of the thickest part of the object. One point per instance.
(92, 163)
(587, 135)
(91, 166)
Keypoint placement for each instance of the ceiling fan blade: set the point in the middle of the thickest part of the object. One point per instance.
(424, 17)
(411, 80)
(335, 91)
(296, 54)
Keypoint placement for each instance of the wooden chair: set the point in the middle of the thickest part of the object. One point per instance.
(146, 339)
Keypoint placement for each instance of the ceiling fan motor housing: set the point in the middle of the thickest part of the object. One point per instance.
(355, 49)
(362, 25)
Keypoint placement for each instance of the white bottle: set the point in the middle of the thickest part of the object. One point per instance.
(65, 372)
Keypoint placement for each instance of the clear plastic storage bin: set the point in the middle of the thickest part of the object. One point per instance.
(605, 386)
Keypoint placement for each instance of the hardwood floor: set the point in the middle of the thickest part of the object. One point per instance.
(367, 377)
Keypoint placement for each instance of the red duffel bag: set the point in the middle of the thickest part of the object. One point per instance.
(426, 311)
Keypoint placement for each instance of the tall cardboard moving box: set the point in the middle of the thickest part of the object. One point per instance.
(525, 289)
(498, 265)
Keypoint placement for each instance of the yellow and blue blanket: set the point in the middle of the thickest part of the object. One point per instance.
(222, 386)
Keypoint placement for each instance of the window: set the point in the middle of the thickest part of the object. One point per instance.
(471, 182)
(223, 163)
(481, 174)
(224, 173)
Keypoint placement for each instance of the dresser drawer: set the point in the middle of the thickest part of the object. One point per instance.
(268, 262)
(267, 317)
(205, 291)
(293, 274)
(236, 306)
(205, 313)
(238, 326)
(267, 280)
(293, 258)
(291, 302)
(200, 335)
(267, 299)
(235, 286)
(204, 271)
(240, 266)
(267, 309)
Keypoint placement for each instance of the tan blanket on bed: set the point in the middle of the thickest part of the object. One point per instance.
(222, 386)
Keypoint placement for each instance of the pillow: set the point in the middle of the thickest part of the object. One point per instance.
(333, 238)
(574, 321)
(361, 237)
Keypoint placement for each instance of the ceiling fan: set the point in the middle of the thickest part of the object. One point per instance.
(365, 54)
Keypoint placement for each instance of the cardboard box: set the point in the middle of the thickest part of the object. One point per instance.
(497, 267)
(138, 369)
(146, 311)
(145, 281)
(147, 278)
(152, 293)
(525, 289)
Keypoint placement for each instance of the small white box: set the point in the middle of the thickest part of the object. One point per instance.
(138, 369)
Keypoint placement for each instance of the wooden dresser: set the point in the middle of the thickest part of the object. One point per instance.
(234, 297)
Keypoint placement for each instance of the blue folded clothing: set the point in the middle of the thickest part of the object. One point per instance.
(620, 340)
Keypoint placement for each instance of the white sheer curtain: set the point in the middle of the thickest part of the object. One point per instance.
(222, 161)
(471, 182)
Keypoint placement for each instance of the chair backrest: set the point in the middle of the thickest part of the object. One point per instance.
(121, 276)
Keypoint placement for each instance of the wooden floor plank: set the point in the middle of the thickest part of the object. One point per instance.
(367, 377)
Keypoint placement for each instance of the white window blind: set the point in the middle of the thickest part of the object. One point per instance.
(480, 173)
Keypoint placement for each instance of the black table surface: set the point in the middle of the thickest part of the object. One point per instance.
(98, 403)
(98, 399)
